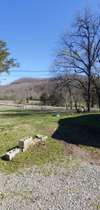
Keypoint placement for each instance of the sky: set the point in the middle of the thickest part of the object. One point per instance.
(33, 29)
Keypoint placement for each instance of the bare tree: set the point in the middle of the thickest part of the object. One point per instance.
(80, 51)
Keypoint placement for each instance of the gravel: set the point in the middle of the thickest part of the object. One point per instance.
(77, 188)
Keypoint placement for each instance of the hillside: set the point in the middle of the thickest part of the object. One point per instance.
(23, 88)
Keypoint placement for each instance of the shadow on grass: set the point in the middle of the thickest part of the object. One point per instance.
(22, 113)
(29, 112)
(80, 130)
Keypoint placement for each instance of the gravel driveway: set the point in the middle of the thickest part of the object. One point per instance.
(74, 189)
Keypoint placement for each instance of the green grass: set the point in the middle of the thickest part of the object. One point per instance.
(15, 124)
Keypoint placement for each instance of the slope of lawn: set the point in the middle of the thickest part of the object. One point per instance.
(15, 124)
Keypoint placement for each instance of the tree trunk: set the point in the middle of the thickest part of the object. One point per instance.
(66, 105)
(99, 101)
(75, 104)
(71, 103)
(98, 95)
(92, 102)
(89, 95)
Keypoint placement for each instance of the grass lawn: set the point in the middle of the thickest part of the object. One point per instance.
(15, 124)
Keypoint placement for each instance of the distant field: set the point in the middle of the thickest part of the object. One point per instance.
(15, 124)
(36, 107)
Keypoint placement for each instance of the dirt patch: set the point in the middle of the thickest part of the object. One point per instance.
(89, 154)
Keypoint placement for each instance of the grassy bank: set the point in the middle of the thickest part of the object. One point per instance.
(15, 124)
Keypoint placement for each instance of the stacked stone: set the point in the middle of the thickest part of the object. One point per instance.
(24, 144)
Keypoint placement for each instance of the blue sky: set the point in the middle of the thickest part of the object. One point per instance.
(32, 30)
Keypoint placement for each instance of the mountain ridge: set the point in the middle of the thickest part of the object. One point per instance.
(24, 87)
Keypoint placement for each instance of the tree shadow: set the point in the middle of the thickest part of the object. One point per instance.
(80, 130)
(22, 113)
